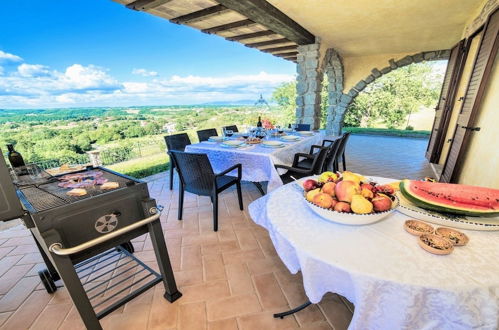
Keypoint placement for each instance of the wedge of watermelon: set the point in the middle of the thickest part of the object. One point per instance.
(452, 198)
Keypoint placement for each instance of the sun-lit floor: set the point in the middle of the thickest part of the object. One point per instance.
(232, 279)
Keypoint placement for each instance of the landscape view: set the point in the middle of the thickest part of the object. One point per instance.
(131, 138)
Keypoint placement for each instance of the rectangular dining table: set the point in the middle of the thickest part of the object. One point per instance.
(257, 160)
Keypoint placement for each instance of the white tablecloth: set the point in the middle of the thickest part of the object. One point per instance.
(257, 161)
(380, 268)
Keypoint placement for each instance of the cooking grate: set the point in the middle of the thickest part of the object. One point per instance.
(49, 195)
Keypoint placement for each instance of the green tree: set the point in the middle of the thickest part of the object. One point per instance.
(395, 96)
(285, 97)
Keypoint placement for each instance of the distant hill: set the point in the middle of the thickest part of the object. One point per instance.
(240, 102)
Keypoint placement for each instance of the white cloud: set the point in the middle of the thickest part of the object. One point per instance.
(5, 57)
(32, 70)
(144, 73)
(34, 85)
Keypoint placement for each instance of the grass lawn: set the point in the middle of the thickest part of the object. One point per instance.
(144, 166)
(387, 131)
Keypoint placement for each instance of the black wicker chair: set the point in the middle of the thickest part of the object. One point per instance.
(303, 127)
(232, 128)
(176, 142)
(332, 146)
(295, 171)
(204, 134)
(341, 152)
(197, 176)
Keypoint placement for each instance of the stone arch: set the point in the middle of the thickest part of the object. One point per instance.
(340, 101)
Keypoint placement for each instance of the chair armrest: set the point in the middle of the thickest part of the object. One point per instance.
(239, 168)
(294, 169)
(326, 140)
(303, 155)
(313, 147)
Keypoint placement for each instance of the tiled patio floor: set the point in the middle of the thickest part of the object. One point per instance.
(232, 279)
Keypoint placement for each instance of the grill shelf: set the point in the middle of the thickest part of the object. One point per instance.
(113, 278)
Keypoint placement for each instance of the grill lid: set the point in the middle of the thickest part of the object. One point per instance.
(10, 207)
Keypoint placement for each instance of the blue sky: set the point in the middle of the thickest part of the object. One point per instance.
(73, 53)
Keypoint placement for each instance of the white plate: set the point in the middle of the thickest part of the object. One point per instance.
(305, 133)
(233, 143)
(350, 218)
(216, 138)
(275, 144)
(448, 220)
(290, 138)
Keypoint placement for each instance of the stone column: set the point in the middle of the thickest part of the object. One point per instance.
(94, 156)
(338, 102)
(308, 86)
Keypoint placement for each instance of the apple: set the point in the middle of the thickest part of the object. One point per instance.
(342, 207)
(328, 188)
(328, 177)
(311, 194)
(344, 190)
(310, 185)
(381, 203)
(367, 186)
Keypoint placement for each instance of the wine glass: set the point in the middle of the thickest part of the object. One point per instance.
(229, 133)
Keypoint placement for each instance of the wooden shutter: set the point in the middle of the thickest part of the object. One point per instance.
(476, 86)
(445, 103)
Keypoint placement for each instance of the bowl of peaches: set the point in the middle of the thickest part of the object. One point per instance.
(349, 198)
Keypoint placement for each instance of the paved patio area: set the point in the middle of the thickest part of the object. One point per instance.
(232, 279)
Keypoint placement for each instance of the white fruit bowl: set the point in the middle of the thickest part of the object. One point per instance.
(351, 218)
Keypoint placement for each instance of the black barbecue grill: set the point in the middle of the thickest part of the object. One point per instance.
(85, 240)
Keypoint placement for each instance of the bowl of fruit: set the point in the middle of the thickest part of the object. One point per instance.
(349, 198)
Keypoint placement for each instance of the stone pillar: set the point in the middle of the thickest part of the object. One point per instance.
(308, 86)
(94, 156)
(338, 101)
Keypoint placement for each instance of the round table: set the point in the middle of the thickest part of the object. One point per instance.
(380, 268)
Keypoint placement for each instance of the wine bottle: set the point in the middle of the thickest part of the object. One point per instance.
(15, 158)
(259, 124)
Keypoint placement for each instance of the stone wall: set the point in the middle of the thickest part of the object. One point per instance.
(333, 68)
(308, 86)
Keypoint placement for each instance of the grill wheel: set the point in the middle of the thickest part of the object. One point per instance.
(47, 281)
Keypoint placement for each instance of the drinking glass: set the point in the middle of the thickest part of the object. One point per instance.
(34, 172)
(229, 133)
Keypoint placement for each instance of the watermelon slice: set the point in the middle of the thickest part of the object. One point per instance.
(452, 198)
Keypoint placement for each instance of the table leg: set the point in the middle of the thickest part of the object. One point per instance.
(292, 311)
(259, 186)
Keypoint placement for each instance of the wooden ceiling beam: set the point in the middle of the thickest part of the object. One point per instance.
(229, 26)
(290, 54)
(267, 43)
(251, 35)
(262, 12)
(200, 14)
(141, 5)
(279, 49)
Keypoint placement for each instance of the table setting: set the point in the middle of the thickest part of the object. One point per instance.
(349, 234)
(258, 151)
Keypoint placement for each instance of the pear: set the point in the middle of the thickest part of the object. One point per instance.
(360, 205)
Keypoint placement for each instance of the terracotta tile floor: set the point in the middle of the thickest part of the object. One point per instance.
(232, 279)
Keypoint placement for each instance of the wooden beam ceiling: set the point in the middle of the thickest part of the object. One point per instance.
(251, 35)
(200, 14)
(290, 54)
(229, 26)
(279, 49)
(262, 12)
(146, 4)
(267, 43)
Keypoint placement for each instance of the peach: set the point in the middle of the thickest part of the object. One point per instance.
(344, 190)
(328, 188)
(367, 186)
(323, 200)
(342, 207)
(381, 203)
(311, 194)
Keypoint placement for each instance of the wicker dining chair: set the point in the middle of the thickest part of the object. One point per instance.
(295, 171)
(303, 127)
(232, 128)
(341, 152)
(197, 177)
(176, 142)
(332, 149)
(205, 134)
